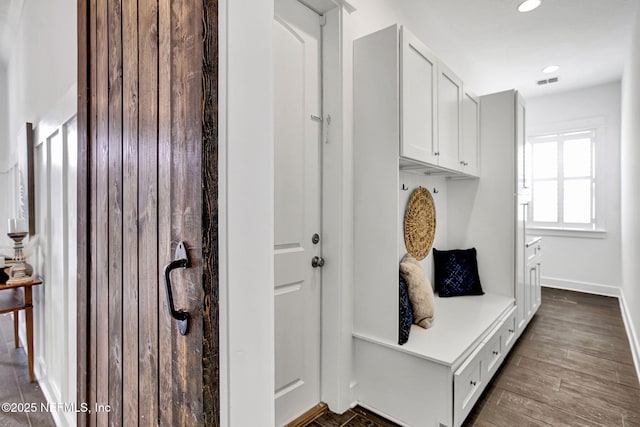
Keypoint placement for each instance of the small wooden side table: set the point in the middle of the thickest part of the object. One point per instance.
(16, 297)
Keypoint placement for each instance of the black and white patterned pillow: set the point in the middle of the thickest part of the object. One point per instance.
(456, 272)
(405, 312)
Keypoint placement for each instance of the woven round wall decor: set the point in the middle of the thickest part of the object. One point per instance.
(420, 224)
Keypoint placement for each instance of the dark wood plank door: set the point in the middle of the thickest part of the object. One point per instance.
(147, 180)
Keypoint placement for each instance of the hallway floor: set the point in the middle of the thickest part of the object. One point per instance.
(14, 382)
(571, 366)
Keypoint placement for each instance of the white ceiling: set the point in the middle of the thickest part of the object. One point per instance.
(9, 15)
(494, 47)
(4, 16)
(499, 48)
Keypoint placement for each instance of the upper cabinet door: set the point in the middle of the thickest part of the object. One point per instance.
(469, 150)
(449, 118)
(418, 90)
(521, 147)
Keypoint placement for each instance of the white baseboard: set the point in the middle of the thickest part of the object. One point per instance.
(634, 341)
(61, 419)
(586, 287)
(382, 414)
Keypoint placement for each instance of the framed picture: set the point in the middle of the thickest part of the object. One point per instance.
(26, 192)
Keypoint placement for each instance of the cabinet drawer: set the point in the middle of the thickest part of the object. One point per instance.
(533, 250)
(509, 331)
(492, 354)
(467, 385)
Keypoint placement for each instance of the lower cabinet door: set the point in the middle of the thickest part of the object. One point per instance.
(467, 385)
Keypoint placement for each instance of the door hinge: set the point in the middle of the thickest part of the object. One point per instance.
(323, 20)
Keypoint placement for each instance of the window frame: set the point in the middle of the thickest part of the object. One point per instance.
(563, 133)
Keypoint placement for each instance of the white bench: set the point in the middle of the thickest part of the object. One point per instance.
(437, 376)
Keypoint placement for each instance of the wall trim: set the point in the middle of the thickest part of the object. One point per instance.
(586, 287)
(634, 340)
(61, 417)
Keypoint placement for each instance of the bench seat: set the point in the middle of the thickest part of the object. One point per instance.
(436, 377)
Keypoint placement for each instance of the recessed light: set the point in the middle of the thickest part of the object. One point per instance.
(529, 5)
(550, 69)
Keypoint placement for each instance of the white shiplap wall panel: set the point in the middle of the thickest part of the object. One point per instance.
(54, 257)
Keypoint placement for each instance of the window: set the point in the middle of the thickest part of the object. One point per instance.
(563, 180)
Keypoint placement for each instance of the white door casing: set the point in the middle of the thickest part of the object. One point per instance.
(297, 204)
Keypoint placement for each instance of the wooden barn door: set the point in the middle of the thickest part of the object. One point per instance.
(147, 181)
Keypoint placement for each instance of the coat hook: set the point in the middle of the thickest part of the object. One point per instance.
(435, 190)
(404, 187)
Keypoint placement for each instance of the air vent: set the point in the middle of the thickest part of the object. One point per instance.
(548, 81)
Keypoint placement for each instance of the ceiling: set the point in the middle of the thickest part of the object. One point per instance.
(498, 48)
(9, 16)
(493, 46)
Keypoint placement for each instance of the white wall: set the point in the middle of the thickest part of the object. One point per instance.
(418, 16)
(583, 263)
(8, 171)
(246, 213)
(4, 109)
(440, 241)
(42, 64)
(630, 193)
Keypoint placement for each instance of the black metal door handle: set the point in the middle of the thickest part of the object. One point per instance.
(181, 260)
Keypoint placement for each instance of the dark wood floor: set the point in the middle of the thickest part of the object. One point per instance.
(356, 417)
(571, 367)
(14, 382)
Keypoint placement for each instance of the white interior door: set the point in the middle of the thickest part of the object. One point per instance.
(297, 208)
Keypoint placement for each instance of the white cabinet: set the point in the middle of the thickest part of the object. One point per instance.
(437, 376)
(380, 156)
(498, 234)
(418, 82)
(432, 113)
(522, 273)
(470, 143)
(449, 118)
(533, 250)
(527, 251)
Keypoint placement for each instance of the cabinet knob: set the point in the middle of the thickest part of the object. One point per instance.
(473, 383)
(437, 153)
(462, 162)
(495, 353)
(511, 330)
